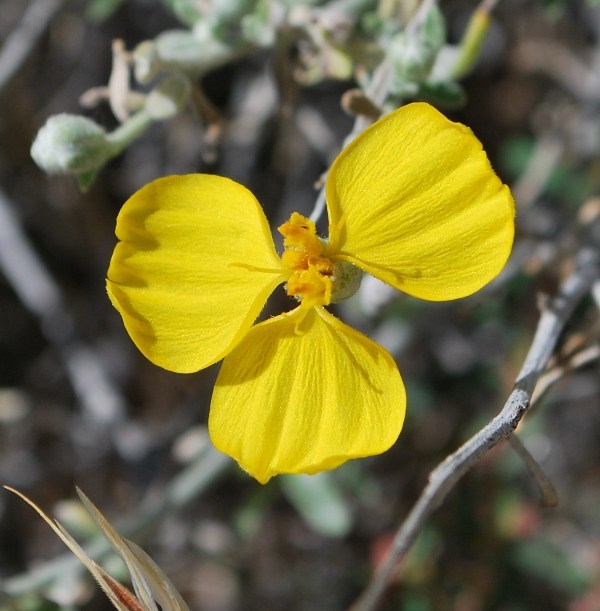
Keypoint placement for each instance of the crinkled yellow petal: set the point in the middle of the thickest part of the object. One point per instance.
(415, 202)
(302, 393)
(194, 267)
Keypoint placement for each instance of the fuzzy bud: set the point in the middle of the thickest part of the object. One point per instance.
(346, 281)
(70, 144)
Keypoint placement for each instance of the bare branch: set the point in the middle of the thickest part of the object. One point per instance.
(551, 376)
(376, 92)
(561, 64)
(25, 35)
(100, 398)
(446, 475)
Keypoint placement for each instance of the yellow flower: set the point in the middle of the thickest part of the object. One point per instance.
(413, 201)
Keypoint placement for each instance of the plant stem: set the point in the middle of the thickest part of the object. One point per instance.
(446, 475)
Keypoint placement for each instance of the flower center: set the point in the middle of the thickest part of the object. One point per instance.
(303, 256)
(315, 279)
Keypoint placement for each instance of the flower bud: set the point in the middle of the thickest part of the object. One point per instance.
(346, 281)
(70, 144)
(146, 63)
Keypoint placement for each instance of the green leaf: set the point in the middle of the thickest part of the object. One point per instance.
(448, 94)
(434, 29)
(187, 11)
(85, 180)
(318, 499)
(100, 10)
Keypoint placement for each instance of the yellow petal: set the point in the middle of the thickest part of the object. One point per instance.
(302, 393)
(415, 202)
(194, 267)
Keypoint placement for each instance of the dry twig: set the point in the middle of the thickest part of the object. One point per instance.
(100, 398)
(25, 35)
(447, 474)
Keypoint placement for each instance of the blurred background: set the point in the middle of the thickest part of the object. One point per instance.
(79, 406)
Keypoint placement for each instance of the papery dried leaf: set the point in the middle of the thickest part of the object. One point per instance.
(119, 595)
(149, 581)
(138, 580)
(162, 587)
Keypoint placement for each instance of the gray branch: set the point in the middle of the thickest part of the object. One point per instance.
(100, 397)
(25, 36)
(446, 475)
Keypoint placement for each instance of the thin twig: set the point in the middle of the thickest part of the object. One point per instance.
(376, 91)
(551, 376)
(447, 474)
(546, 155)
(100, 399)
(25, 35)
(545, 382)
(561, 64)
(418, 19)
(547, 490)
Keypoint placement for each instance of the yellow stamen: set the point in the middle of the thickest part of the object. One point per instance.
(311, 286)
(311, 279)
